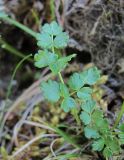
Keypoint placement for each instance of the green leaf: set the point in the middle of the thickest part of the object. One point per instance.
(84, 76)
(44, 58)
(113, 144)
(51, 90)
(91, 133)
(89, 106)
(61, 40)
(46, 28)
(68, 103)
(75, 82)
(98, 145)
(52, 35)
(64, 90)
(84, 93)
(56, 29)
(99, 122)
(93, 75)
(121, 137)
(97, 115)
(85, 117)
(53, 28)
(60, 64)
(107, 152)
(90, 76)
(44, 40)
(102, 124)
(121, 127)
(67, 137)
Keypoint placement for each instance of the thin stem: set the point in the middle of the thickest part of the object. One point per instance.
(60, 77)
(19, 25)
(52, 9)
(75, 114)
(35, 15)
(10, 87)
(14, 72)
(73, 93)
(12, 50)
(119, 117)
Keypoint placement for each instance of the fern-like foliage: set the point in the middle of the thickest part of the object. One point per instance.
(76, 92)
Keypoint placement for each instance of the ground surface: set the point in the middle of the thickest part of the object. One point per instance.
(96, 29)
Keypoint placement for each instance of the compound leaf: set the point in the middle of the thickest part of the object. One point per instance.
(85, 117)
(44, 58)
(51, 90)
(91, 133)
(75, 82)
(84, 93)
(88, 106)
(98, 145)
(60, 64)
(68, 103)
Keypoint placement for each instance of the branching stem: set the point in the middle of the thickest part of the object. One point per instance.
(59, 73)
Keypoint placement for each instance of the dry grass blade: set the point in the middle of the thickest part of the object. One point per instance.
(27, 95)
(32, 141)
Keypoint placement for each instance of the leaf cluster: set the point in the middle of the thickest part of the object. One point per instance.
(50, 38)
(97, 128)
(77, 92)
(76, 84)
